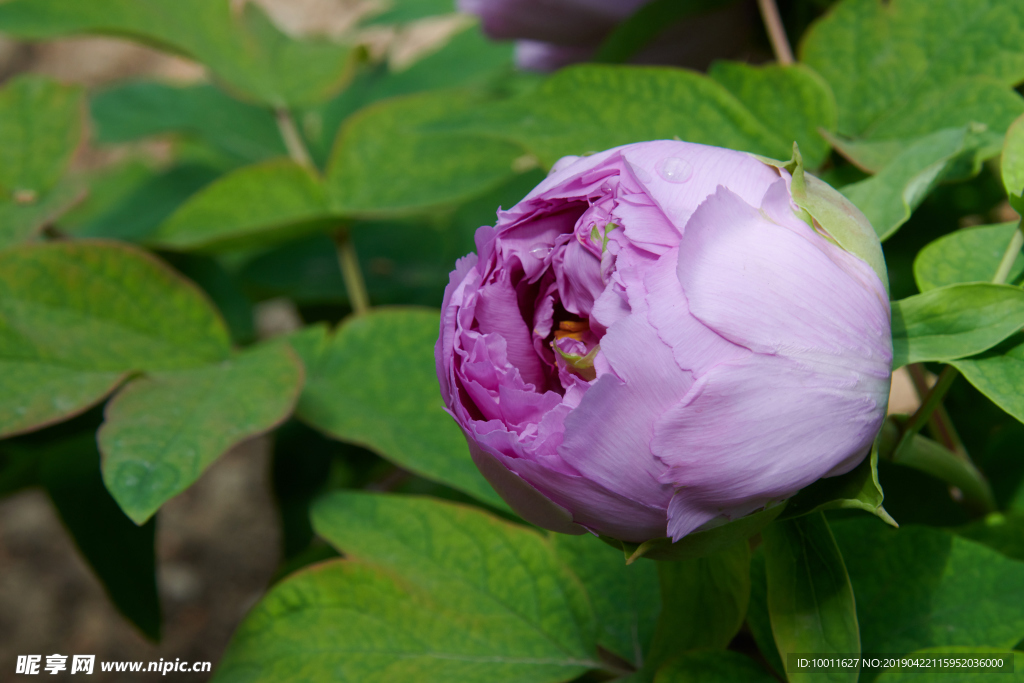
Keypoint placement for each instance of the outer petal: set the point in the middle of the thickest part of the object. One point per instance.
(566, 22)
(527, 501)
(809, 400)
(608, 437)
(782, 289)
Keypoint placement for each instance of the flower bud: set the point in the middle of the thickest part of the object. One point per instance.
(665, 336)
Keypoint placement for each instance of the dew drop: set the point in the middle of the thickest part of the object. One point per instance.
(641, 174)
(540, 251)
(674, 170)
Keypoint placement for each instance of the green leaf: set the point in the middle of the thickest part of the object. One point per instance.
(22, 220)
(858, 489)
(881, 58)
(920, 587)
(700, 543)
(1001, 532)
(121, 553)
(954, 321)
(404, 11)
(980, 103)
(438, 592)
(590, 108)
(889, 197)
(967, 255)
(999, 374)
(386, 162)
(136, 110)
(704, 602)
(76, 317)
(626, 598)
(241, 46)
(810, 601)
(144, 208)
(1013, 164)
(255, 205)
(470, 59)
(713, 667)
(793, 100)
(163, 430)
(910, 675)
(374, 384)
(40, 126)
(758, 620)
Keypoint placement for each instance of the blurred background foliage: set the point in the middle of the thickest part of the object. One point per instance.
(248, 144)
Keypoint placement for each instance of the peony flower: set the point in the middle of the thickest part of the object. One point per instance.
(551, 34)
(659, 338)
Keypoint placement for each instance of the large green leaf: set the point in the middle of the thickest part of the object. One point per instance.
(704, 603)
(954, 321)
(387, 161)
(999, 374)
(76, 317)
(920, 587)
(980, 103)
(968, 255)
(142, 210)
(437, 592)
(810, 601)
(257, 204)
(121, 553)
(626, 598)
(1001, 532)
(470, 59)
(793, 101)
(163, 430)
(21, 220)
(1013, 164)
(40, 126)
(241, 46)
(881, 58)
(374, 383)
(889, 197)
(713, 667)
(134, 110)
(590, 108)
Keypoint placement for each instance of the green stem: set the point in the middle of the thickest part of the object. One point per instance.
(1010, 255)
(940, 425)
(351, 273)
(292, 139)
(934, 397)
(776, 31)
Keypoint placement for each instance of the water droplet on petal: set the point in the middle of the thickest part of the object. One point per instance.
(674, 170)
(540, 251)
(642, 175)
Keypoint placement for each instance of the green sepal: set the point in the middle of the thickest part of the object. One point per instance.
(699, 543)
(832, 214)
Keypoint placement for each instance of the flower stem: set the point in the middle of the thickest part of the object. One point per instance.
(776, 31)
(933, 399)
(292, 140)
(1003, 272)
(351, 273)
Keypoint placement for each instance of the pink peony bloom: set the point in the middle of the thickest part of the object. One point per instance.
(551, 34)
(654, 340)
